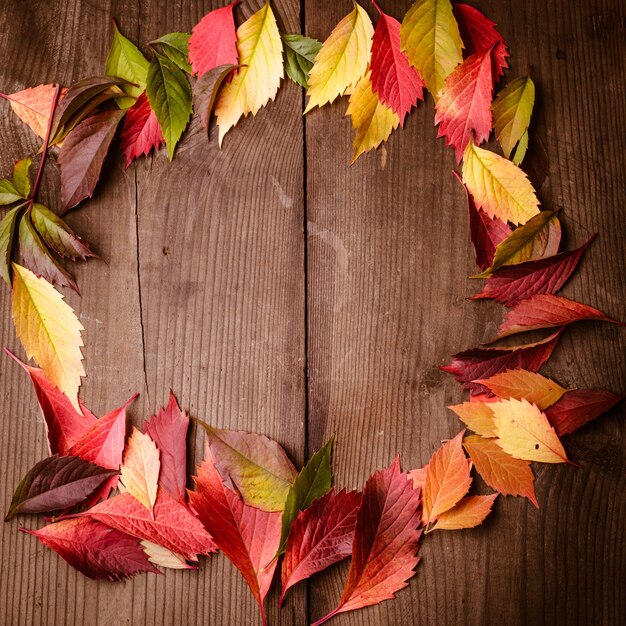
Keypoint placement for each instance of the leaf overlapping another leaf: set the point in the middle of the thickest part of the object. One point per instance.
(470, 512)
(300, 53)
(141, 132)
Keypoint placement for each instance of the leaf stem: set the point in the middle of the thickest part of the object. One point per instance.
(55, 98)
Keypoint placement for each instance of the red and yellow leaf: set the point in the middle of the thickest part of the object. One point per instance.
(141, 131)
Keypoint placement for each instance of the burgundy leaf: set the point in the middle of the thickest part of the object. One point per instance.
(578, 407)
(512, 283)
(320, 536)
(94, 549)
(548, 311)
(82, 156)
(141, 131)
(56, 483)
(205, 91)
(477, 363)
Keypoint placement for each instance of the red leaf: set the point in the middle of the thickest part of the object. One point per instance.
(384, 553)
(479, 33)
(82, 155)
(247, 536)
(548, 311)
(213, 40)
(578, 407)
(65, 426)
(512, 283)
(463, 108)
(471, 365)
(485, 232)
(397, 84)
(94, 549)
(168, 429)
(141, 131)
(320, 536)
(174, 526)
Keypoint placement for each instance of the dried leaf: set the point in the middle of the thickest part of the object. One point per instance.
(470, 512)
(139, 472)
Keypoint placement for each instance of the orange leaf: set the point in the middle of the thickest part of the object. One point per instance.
(33, 107)
(447, 478)
(468, 513)
(477, 416)
(140, 470)
(502, 472)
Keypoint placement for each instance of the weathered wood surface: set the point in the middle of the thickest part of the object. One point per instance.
(276, 289)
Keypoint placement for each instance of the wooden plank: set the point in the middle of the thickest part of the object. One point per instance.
(388, 252)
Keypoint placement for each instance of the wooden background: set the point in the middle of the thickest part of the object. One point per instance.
(274, 288)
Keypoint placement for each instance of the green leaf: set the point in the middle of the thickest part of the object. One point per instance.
(314, 481)
(520, 151)
(7, 236)
(175, 47)
(21, 179)
(300, 52)
(8, 193)
(126, 61)
(169, 95)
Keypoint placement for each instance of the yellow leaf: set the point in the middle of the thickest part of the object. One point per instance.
(140, 469)
(163, 557)
(512, 109)
(430, 37)
(498, 186)
(525, 432)
(372, 120)
(342, 60)
(257, 80)
(477, 416)
(49, 331)
(470, 512)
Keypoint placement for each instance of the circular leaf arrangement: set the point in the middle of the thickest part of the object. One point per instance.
(248, 500)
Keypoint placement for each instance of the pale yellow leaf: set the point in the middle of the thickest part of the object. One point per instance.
(342, 60)
(261, 70)
(163, 557)
(49, 331)
(139, 472)
(477, 416)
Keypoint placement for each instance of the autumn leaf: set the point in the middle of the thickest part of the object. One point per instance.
(126, 61)
(314, 480)
(578, 407)
(463, 108)
(255, 465)
(175, 46)
(510, 284)
(21, 177)
(163, 557)
(521, 384)
(173, 526)
(342, 60)
(471, 365)
(139, 472)
(168, 429)
(94, 549)
(397, 84)
(548, 311)
(33, 106)
(64, 424)
(169, 95)
(8, 229)
(56, 483)
(300, 53)
(430, 37)
(82, 155)
(248, 536)
(384, 552)
(260, 51)
(502, 472)
(538, 238)
(477, 416)
(418, 477)
(479, 33)
(512, 110)
(372, 120)
(49, 331)
(524, 432)
(498, 186)
(470, 512)
(141, 132)
(320, 536)
(447, 479)
(206, 89)
(213, 41)
(8, 193)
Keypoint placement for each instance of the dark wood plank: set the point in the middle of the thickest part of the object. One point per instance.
(388, 253)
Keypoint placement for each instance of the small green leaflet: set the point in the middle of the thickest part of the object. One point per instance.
(520, 151)
(314, 481)
(175, 47)
(19, 188)
(7, 235)
(169, 95)
(300, 52)
(126, 61)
